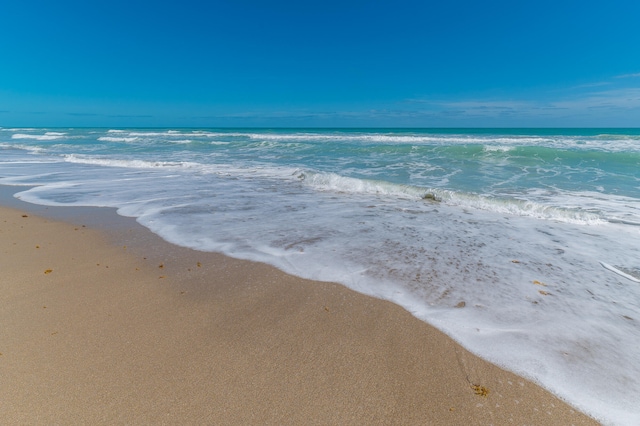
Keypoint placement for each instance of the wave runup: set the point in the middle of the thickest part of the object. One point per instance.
(511, 206)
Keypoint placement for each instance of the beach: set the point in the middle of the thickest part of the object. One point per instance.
(331, 213)
(117, 326)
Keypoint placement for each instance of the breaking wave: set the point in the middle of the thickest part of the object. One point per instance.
(341, 184)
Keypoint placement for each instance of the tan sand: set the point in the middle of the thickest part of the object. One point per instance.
(93, 332)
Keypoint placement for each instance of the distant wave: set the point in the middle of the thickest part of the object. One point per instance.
(48, 136)
(618, 137)
(22, 147)
(370, 137)
(168, 133)
(116, 139)
(109, 162)
(391, 138)
(136, 137)
(499, 142)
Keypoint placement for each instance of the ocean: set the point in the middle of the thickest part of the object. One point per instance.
(521, 244)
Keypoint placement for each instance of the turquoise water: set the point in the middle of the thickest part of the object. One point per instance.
(426, 218)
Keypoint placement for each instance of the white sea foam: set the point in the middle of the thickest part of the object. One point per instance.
(22, 147)
(619, 143)
(341, 184)
(49, 136)
(498, 148)
(612, 207)
(378, 138)
(154, 134)
(117, 139)
(280, 173)
(521, 208)
(136, 164)
(139, 137)
(168, 133)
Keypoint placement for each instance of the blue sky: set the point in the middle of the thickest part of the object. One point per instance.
(401, 63)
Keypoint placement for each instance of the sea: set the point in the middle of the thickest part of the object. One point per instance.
(523, 245)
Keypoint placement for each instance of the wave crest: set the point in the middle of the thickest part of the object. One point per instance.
(48, 136)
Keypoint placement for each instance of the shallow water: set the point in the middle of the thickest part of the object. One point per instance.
(497, 237)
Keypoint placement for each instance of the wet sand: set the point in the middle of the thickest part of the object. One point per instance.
(115, 326)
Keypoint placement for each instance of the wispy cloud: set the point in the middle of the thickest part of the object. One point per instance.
(628, 75)
(592, 106)
(589, 85)
(615, 107)
(617, 99)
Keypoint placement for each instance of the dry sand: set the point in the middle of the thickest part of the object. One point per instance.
(122, 328)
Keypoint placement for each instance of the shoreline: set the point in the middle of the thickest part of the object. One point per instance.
(128, 328)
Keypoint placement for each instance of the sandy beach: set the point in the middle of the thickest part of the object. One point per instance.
(119, 327)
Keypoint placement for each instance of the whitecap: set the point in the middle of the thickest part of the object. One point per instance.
(49, 136)
(116, 139)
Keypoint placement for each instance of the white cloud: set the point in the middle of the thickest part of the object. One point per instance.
(628, 75)
(611, 99)
(615, 107)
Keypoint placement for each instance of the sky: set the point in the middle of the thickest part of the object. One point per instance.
(349, 63)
